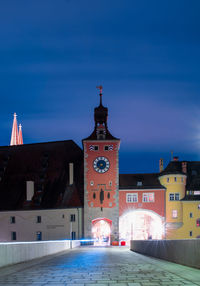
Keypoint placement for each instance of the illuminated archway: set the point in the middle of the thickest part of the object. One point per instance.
(141, 225)
(101, 229)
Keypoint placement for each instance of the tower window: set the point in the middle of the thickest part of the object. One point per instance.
(175, 179)
(39, 219)
(198, 222)
(94, 196)
(12, 219)
(110, 183)
(174, 213)
(191, 215)
(190, 233)
(91, 183)
(167, 180)
(108, 195)
(177, 196)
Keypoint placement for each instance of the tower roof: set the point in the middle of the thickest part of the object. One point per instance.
(14, 135)
(101, 131)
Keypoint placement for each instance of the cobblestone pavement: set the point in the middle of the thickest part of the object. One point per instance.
(100, 266)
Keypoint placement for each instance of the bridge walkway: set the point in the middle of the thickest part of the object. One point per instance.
(99, 266)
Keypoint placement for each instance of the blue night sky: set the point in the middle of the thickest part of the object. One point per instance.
(146, 54)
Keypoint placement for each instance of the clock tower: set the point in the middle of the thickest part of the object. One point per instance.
(101, 177)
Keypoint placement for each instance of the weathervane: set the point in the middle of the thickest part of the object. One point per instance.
(100, 87)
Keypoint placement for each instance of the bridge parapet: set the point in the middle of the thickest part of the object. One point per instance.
(11, 252)
(184, 251)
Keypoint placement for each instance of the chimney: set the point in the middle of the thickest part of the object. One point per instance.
(29, 190)
(184, 167)
(161, 167)
(71, 173)
(175, 159)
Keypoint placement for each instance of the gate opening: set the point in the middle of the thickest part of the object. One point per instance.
(101, 229)
(140, 225)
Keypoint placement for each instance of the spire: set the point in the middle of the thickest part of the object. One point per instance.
(20, 138)
(100, 87)
(100, 112)
(14, 135)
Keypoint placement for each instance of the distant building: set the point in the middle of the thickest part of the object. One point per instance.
(56, 190)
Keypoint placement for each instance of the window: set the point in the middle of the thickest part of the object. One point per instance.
(110, 183)
(167, 180)
(182, 179)
(191, 215)
(94, 196)
(198, 222)
(177, 196)
(91, 183)
(139, 183)
(148, 197)
(108, 196)
(190, 233)
(96, 148)
(12, 219)
(175, 179)
(63, 216)
(171, 197)
(174, 213)
(132, 198)
(106, 148)
(198, 207)
(13, 235)
(73, 235)
(72, 217)
(39, 219)
(38, 235)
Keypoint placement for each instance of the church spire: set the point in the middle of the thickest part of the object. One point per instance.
(20, 137)
(14, 135)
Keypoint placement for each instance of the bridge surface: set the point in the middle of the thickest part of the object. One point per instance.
(99, 266)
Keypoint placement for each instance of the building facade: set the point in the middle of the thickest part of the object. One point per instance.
(56, 190)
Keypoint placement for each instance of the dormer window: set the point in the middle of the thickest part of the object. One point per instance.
(139, 183)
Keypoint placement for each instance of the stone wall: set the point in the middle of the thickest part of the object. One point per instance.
(15, 252)
(185, 251)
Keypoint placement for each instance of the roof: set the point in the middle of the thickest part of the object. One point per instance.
(139, 181)
(47, 164)
(174, 167)
(192, 172)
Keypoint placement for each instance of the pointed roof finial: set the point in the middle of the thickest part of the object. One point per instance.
(14, 135)
(20, 137)
(100, 87)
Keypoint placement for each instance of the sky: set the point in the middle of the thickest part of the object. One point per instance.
(146, 54)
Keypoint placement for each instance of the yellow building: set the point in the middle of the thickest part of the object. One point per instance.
(182, 199)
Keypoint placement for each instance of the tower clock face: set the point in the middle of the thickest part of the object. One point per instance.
(101, 164)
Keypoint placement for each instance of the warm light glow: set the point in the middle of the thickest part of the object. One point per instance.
(140, 224)
(101, 232)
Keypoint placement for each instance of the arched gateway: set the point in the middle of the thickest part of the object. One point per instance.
(101, 230)
(140, 224)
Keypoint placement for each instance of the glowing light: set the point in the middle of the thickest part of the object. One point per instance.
(141, 225)
(101, 232)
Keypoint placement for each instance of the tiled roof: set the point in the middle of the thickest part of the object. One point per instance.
(139, 181)
(47, 164)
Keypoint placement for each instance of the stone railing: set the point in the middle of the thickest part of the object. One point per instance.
(15, 252)
(184, 251)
